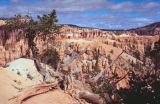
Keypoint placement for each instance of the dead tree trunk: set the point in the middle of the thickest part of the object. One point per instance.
(33, 91)
(34, 50)
(102, 72)
(91, 98)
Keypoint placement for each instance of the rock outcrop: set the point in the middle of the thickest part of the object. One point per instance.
(2, 22)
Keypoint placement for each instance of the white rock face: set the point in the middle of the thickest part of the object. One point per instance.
(124, 35)
(2, 22)
(26, 69)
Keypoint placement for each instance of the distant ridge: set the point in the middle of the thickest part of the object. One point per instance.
(151, 29)
(71, 25)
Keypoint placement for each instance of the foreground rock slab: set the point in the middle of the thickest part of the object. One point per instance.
(11, 84)
(43, 94)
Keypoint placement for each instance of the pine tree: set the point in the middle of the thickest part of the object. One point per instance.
(44, 26)
(155, 55)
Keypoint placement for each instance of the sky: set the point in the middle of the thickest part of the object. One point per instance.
(105, 14)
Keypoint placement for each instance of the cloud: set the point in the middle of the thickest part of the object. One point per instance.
(22, 6)
(151, 5)
(72, 5)
(94, 13)
(14, 0)
(121, 6)
(142, 19)
(132, 7)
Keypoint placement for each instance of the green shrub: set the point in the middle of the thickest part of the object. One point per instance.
(51, 57)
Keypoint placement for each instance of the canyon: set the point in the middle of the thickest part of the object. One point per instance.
(13, 44)
(82, 50)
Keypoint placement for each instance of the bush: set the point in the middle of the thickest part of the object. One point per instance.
(51, 57)
(144, 89)
(114, 44)
(111, 51)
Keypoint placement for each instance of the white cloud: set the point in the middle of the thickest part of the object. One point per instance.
(151, 5)
(142, 19)
(109, 14)
(132, 7)
(14, 1)
(120, 6)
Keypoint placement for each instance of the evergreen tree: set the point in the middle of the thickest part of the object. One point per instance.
(44, 26)
(155, 55)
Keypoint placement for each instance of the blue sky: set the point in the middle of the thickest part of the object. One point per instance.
(107, 14)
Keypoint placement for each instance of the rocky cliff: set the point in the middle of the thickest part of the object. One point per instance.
(14, 45)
